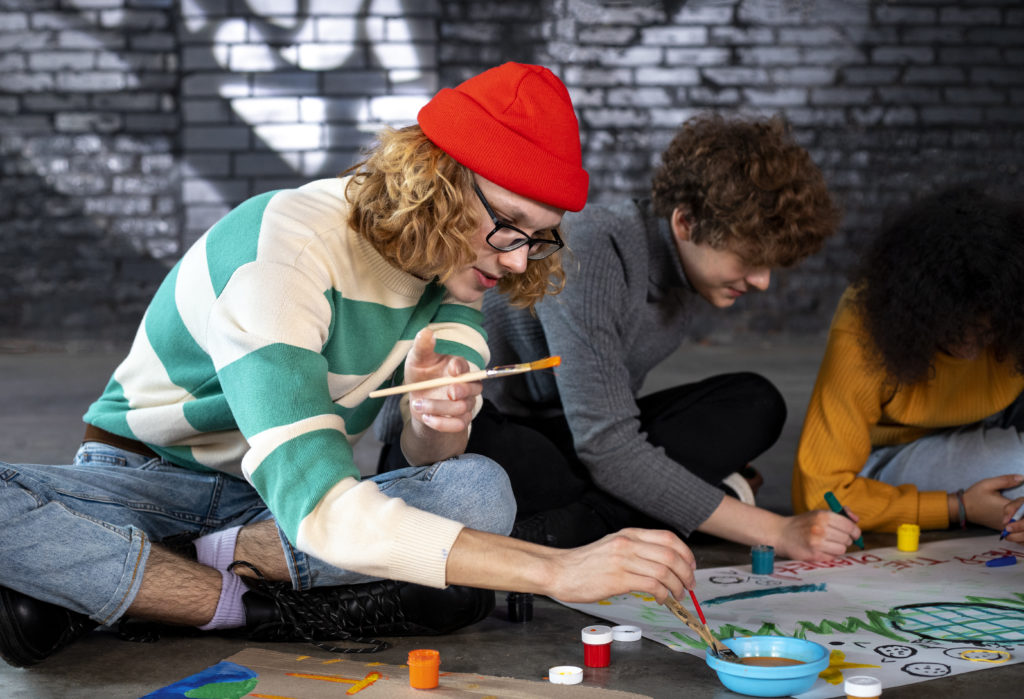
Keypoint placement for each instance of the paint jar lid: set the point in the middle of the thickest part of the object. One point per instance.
(565, 674)
(597, 635)
(862, 686)
(626, 633)
(423, 656)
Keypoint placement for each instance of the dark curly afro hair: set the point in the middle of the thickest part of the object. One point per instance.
(946, 272)
(746, 186)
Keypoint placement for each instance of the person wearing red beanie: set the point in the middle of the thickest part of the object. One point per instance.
(514, 125)
(233, 416)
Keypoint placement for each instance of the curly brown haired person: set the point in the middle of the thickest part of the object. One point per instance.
(732, 199)
(745, 185)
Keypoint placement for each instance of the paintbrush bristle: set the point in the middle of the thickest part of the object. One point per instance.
(546, 363)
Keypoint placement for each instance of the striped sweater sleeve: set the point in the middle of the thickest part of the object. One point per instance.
(261, 348)
(273, 321)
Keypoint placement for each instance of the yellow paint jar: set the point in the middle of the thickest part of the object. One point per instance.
(907, 537)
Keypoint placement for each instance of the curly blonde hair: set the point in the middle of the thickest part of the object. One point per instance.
(412, 202)
(746, 186)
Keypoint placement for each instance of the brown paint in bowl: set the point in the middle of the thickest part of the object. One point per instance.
(769, 661)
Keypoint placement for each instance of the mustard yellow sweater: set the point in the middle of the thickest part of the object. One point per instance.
(852, 410)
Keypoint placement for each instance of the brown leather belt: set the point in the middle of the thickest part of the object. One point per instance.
(95, 434)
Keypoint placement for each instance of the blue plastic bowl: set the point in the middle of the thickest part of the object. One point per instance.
(778, 681)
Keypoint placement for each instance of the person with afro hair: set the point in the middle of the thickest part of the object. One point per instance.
(918, 407)
(734, 198)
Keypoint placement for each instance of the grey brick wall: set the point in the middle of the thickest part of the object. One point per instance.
(129, 126)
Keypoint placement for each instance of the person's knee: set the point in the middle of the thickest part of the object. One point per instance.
(765, 399)
(488, 503)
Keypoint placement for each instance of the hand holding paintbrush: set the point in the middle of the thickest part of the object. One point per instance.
(492, 373)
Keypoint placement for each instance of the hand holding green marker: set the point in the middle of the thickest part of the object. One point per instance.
(833, 504)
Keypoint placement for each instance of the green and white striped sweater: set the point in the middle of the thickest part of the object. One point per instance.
(256, 356)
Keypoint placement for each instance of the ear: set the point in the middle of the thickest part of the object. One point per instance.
(680, 224)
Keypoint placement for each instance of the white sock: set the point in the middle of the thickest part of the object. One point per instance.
(217, 550)
(230, 612)
(740, 486)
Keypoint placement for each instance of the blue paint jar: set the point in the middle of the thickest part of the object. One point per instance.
(763, 559)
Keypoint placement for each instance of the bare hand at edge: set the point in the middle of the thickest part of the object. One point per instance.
(984, 503)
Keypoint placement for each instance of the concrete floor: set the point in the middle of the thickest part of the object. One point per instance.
(46, 392)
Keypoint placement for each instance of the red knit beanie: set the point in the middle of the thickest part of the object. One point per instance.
(514, 125)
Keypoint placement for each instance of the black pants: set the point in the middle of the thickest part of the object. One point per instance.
(712, 428)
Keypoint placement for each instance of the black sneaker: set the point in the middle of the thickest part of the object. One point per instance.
(31, 630)
(354, 613)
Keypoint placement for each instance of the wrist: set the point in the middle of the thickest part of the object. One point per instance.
(776, 530)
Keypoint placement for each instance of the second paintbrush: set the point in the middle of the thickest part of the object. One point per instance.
(492, 373)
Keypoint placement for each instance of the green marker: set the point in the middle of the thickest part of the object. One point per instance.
(833, 504)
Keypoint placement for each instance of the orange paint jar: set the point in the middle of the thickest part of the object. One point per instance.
(423, 668)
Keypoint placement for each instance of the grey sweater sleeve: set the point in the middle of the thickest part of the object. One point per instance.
(592, 325)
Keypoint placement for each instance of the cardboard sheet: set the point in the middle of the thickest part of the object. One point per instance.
(265, 674)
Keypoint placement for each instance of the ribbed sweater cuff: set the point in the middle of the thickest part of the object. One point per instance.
(687, 505)
(422, 546)
(933, 510)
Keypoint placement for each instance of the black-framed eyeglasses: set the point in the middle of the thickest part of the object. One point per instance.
(505, 237)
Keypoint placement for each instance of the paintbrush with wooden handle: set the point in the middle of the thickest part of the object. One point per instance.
(492, 373)
(701, 627)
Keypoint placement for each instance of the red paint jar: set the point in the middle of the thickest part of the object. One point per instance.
(597, 646)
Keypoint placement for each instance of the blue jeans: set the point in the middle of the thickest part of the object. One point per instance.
(79, 536)
(955, 458)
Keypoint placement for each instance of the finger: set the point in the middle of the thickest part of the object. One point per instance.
(655, 588)
(827, 545)
(661, 537)
(457, 365)
(675, 573)
(442, 423)
(1003, 482)
(1010, 509)
(644, 553)
(422, 350)
(462, 409)
(850, 529)
(836, 527)
(464, 392)
(836, 536)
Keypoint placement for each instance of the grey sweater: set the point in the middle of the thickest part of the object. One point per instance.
(622, 312)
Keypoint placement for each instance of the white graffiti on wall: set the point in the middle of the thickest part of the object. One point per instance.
(307, 35)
